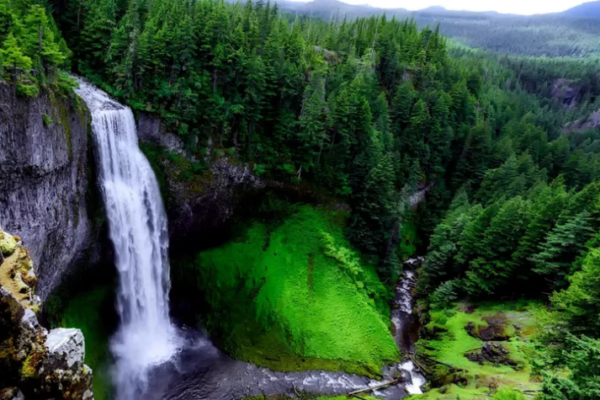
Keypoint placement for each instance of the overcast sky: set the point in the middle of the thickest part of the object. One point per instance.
(525, 7)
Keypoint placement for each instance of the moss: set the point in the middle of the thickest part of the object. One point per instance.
(31, 365)
(194, 176)
(62, 110)
(47, 120)
(7, 243)
(16, 276)
(278, 300)
(447, 341)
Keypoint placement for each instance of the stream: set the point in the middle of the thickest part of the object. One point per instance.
(201, 371)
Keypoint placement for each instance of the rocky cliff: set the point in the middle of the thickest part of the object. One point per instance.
(196, 203)
(586, 124)
(44, 177)
(34, 363)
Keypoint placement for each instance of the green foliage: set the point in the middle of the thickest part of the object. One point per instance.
(47, 120)
(506, 393)
(31, 50)
(569, 338)
(582, 357)
(281, 287)
(444, 295)
(563, 244)
(525, 243)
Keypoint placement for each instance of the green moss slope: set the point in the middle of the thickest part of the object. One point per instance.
(277, 299)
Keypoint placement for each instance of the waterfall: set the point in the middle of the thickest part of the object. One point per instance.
(138, 231)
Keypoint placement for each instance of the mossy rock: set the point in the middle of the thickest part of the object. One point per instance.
(7, 243)
(494, 353)
(496, 328)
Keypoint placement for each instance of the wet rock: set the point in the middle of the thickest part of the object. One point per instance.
(151, 130)
(44, 182)
(496, 329)
(494, 353)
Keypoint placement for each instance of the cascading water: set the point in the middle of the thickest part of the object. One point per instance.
(401, 317)
(138, 231)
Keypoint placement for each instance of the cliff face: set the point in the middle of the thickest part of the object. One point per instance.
(196, 205)
(43, 180)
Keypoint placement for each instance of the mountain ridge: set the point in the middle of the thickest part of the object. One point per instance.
(586, 10)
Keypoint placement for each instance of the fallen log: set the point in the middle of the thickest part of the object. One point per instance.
(371, 388)
(418, 364)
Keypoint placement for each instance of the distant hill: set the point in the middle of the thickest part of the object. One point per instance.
(553, 35)
(434, 9)
(585, 10)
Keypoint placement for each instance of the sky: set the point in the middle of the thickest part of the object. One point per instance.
(524, 7)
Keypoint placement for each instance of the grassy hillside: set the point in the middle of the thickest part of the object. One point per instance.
(293, 295)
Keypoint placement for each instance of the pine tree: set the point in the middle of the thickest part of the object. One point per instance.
(494, 267)
(563, 244)
(14, 59)
(473, 162)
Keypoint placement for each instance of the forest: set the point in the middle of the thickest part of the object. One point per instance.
(546, 35)
(366, 112)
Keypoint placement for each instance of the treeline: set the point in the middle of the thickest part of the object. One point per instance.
(552, 36)
(361, 109)
(367, 109)
(32, 50)
(535, 36)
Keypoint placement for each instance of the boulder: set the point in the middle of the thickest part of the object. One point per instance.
(66, 345)
(494, 353)
(35, 364)
(496, 329)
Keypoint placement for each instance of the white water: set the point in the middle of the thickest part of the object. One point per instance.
(138, 231)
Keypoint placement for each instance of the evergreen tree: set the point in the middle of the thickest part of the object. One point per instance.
(562, 245)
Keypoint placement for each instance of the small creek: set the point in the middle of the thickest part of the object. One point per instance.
(201, 371)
